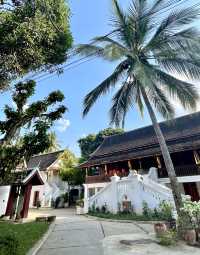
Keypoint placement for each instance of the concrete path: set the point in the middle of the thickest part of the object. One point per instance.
(78, 235)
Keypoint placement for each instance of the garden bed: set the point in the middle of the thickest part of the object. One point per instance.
(19, 238)
(124, 216)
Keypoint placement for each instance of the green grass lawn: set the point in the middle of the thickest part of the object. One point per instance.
(27, 234)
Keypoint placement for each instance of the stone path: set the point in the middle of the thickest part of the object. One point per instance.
(78, 235)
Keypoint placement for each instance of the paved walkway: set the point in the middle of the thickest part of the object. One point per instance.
(78, 235)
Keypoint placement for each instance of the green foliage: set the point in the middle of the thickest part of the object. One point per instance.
(34, 35)
(168, 238)
(33, 121)
(148, 55)
(190, 216)
(9, 244)
(66, 197)
(69, 170)
(54, 143)
(17, 239)
(163, 212)
(91, 142)
(147, 212)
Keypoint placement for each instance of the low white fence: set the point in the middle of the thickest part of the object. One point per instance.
(135, 189)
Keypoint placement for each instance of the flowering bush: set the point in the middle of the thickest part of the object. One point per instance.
(190, 215)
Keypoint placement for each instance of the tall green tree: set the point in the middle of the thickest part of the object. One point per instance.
(153, 50)
(35, 138)
(69, 170)
(54, 143)
(91, 142)
(34, 36)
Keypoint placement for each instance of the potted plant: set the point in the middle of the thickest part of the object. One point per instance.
(80, 207)
(187, 223)
(160, 229)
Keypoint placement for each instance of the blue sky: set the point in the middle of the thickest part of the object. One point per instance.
(89, 18)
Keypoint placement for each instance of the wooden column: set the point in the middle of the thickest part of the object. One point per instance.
(106, 170)
(140, 163)
(129, 165)
(11, 201)
(158, 162)
(27, 194)
(196, 157)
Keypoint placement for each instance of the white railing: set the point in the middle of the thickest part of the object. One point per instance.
(134, 188)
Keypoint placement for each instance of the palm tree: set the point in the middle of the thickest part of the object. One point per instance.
(154, 48)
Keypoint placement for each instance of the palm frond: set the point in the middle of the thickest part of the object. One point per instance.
(189, 69)
(119, 13)
(106, 39)
(89, 50)
(185, 40)
(160, 102)
(122, 25)
(185, 92)
(104, 87)
(175, 21)
(159, 5)
(121, 102)
(109, 52)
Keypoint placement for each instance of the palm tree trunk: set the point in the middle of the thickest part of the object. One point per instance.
(165, 153)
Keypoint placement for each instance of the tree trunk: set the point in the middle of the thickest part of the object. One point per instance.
(166, 155)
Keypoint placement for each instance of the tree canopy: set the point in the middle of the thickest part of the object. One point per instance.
(91, 142)
(54, 143)
(69, 170)
(34, 35)
(31, 121)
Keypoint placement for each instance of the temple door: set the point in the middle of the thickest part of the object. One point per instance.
(191, 189)
(36, 198)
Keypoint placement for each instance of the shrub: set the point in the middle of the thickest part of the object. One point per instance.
(104, 209)
(165, 211)
(66, 197)
(97, 209)
(57, 201)
(168, 238)
(190, 216)
(147, 212)
(9, 244)
(93, 207)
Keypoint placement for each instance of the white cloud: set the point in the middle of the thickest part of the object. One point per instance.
(62, 125)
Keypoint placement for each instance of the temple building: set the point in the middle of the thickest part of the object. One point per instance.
(139, 150)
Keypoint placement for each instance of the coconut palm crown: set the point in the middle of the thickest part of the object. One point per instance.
(151, 49)
(157, 50)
